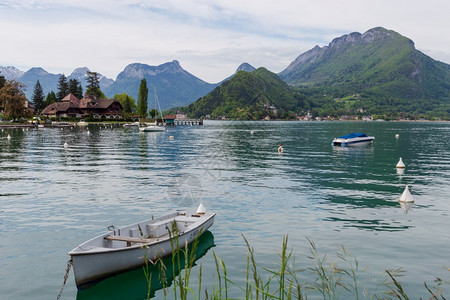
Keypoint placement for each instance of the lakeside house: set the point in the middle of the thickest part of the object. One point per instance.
(170, 119)
(72, 107)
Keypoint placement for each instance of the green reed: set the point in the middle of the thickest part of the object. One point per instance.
(323, 278)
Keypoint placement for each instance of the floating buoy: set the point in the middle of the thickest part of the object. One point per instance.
(8, 137)
(66, 145)
(406, 196)
(400, 164)
(171, 137)
(397, 136)
(252, 132)
(88, 132)
(201, 210)
(280, 148)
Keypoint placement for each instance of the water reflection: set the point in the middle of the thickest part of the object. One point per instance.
(134, 285)
(406, 206)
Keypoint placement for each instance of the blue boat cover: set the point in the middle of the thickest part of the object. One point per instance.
(353, 135)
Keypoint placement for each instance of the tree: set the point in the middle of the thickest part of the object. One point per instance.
(50, 98)
(13, 100)
(153, 112)
(127, 102)
(75, 88)
(63, 88)
(2, 81)
(38, 97)
(93, 86)
(142, 104)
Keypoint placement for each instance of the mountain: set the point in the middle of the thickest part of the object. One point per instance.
(247, 96)
(80, 74)
(174, 86)
(10, 72)
(48, 81)
(378, 63)
(243, 67)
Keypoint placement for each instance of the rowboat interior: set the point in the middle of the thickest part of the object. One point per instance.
(146, 232)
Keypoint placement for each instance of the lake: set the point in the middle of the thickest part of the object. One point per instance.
(53, 198)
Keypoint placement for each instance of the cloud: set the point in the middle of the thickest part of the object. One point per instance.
(209, 38)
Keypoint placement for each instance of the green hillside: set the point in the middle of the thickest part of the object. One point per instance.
(248, 96)
(377, 73)
(380, 66)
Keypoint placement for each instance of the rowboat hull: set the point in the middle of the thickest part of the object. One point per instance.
(122, 250)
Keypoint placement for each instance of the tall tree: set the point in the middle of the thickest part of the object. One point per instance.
(63, 88)
(75, 88)
(93, 86)
(38, 97)
(13, 100)
(2, 81)
(50, 98)
(142, 104)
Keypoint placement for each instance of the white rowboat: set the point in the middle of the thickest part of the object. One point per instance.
(128, 248)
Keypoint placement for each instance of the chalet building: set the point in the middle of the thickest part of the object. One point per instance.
(72, 107)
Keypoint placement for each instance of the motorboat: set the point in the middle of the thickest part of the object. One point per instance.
(352, 139)
(131, 124)
(129, 247)
(82, 123)
(152, 127)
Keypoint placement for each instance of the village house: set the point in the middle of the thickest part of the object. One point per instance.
(72, 107)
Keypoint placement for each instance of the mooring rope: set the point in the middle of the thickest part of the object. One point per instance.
(69, 265)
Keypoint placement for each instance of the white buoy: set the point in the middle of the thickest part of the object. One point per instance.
(400, 164)
(397, 136)
(201, 210)
(252, 132)
(406, 196)
(280, 148)
(8, 137)
(88, 132)
(66, 145)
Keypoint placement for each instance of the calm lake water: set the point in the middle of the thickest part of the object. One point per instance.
(53, 198)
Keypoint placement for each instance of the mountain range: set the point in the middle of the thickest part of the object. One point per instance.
(379, 69)
(376, 73)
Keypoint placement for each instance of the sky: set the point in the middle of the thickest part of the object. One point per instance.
(210, 39)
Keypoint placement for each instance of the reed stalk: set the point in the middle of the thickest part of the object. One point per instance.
(325, 279)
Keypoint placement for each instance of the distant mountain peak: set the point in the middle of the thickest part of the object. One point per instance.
(245, 67)
(138, 70)
(10, 72)
(37, 71)
(80, 72)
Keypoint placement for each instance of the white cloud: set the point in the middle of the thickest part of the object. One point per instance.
(209, 38)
